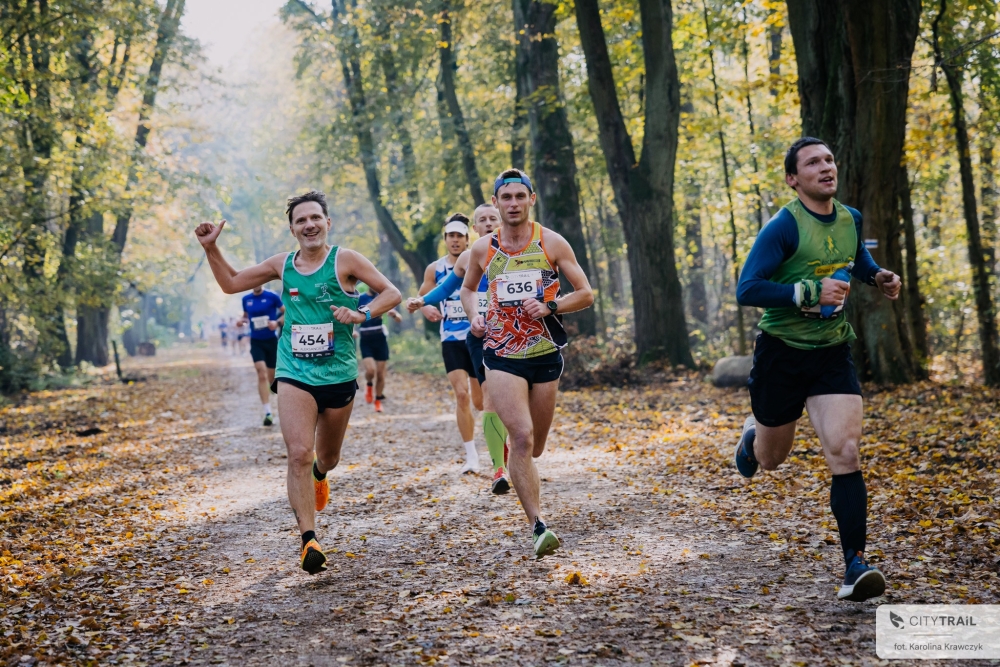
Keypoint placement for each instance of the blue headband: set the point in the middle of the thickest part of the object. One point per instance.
(501, 181)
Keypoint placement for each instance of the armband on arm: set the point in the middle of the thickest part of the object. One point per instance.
(444, 290)
(807, 293)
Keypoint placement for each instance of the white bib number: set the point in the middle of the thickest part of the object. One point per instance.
(515, 288)
(259, 322)
(482, 303)
(453, 310)
(312, 340)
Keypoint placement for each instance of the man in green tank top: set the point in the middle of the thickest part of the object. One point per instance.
(799, 271)
(316, 374)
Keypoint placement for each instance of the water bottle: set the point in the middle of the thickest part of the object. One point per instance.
(843, 273)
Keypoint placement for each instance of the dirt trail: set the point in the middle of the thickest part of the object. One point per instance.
(426, 567)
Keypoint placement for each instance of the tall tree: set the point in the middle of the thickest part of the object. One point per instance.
(347, 42)
(853, 60)
(446, 87)
(92, 342)
(985, 310)
(911, 276)
(643, 187)
(734, 256)
(553, 158)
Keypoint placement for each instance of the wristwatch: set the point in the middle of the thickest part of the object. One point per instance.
(367, 311)
(553, 306)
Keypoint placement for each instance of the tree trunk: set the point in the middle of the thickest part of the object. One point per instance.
(914, 299)
(696, 292)
(387, 61)
(602, 322)
(520, 124)
(840, 47)
(553, 158)
(774, 57)
(446, 83)
(758, 204)
(985, 312)
(988, 196)
(741, 336)
(610, 236)
(644, 187)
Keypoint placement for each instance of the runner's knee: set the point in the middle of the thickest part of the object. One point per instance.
(845, 451)
(328, 461)
(299, 455)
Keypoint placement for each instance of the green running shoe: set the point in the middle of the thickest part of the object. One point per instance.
(545, 541)
(267, 419)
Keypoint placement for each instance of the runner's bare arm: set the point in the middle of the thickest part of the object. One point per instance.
(561, 254)
(353, 267)
(473, 274)
(230, 280)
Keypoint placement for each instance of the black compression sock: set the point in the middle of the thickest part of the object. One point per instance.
(380, 397)
(539, 526)
(319, 476)
(368, 383)
(849, 502)
(308, 535)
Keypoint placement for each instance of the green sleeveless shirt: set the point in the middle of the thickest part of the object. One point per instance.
(315, 348)
(823, 248)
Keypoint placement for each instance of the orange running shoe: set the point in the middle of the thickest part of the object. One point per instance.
(369, 395)
(313, 558)
(322, 489)
(378, 405)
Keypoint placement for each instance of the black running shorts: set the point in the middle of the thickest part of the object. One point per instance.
(264, 349)
(333, 396)
(475, 345)
(783, 377)
(456, 357)
(536, 370)
(374, 346)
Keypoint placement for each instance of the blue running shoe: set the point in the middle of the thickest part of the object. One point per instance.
(861, 581)
(746, 464)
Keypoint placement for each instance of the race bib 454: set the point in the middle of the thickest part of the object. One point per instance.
(310, 341)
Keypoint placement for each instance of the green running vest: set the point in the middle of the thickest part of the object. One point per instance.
(314, 348)
(823, 248)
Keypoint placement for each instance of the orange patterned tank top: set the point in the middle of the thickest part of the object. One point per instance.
(515, 276)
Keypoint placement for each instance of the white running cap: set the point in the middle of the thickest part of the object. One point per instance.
(456, 226)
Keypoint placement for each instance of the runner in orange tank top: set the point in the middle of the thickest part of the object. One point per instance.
(524, 333)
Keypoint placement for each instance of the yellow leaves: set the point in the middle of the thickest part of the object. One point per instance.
(225, 570)
(250, 560)
(926, 523)
(541, 632)
(207, 582)
(576, 579)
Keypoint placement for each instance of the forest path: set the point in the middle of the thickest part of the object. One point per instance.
(667, 558)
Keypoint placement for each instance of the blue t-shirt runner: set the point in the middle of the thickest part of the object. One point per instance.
(260, 309)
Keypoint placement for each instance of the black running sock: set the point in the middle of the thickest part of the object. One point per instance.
(380, 397)
(319, 476)
(849, 502)
(368, 383)
(539, 526)
(308, 535)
